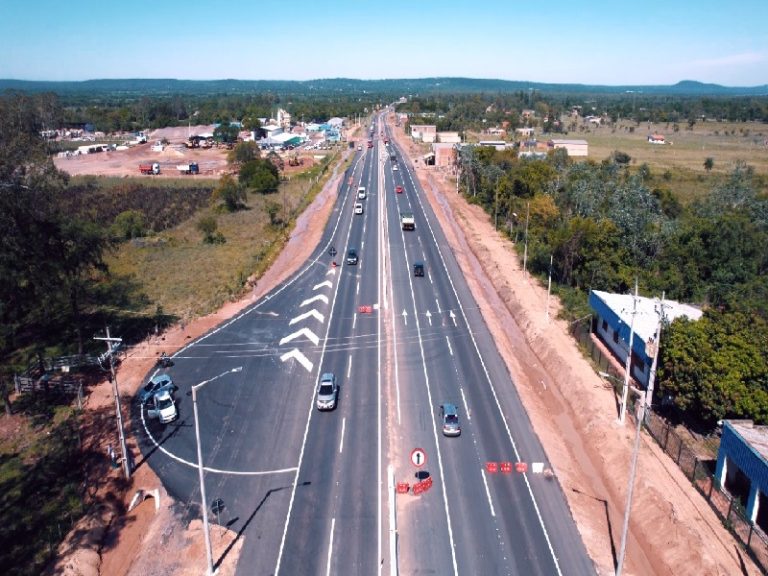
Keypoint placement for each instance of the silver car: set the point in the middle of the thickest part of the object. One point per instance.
(327, 392)
(450, 420)
(158, 383)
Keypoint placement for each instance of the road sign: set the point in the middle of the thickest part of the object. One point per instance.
(418, 457)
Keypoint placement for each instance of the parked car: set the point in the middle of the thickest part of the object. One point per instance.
(449, 416)
(158, 383)
(352, 257)
(162, 407)
(327, 392)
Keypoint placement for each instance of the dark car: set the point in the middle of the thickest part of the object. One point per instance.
(418, 268)
(449, 417)
(352, 257)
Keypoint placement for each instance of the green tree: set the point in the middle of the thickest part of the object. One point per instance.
(709, 163)
(244, 152)
(226, 133)
(230, 194)
(129, 224)
(260, 176)
(209, 227)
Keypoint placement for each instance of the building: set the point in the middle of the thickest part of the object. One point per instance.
(449, 137)
(742, 467)
(613, 318)
(524, 132)
(573, 147)
(498, 144)
(655, 139)
(444, 154)
(424, 132)
(283, 119)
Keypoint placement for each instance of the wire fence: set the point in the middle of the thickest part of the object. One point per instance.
(699, 472)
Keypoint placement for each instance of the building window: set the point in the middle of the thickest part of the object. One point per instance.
(616, 336)
(605, 325)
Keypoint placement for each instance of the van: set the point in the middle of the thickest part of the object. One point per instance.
(361, 192)
(358, 207)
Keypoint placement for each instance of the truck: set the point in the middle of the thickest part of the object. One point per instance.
(407, 221)
(191, 168)
(149, 168)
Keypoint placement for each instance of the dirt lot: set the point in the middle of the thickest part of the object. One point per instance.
(212, 161)
(673, 531)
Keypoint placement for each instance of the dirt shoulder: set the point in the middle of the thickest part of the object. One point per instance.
(672, 529)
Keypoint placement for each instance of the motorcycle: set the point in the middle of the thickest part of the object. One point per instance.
(164, 361)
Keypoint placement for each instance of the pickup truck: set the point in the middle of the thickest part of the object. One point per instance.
(407, 221)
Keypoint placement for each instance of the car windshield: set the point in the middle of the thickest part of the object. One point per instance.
(451, 419)
(326, 389)
(149, 386)
(163, 403)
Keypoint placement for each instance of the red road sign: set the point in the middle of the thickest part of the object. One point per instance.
(418, 457)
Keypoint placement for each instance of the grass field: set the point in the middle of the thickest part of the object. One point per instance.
(188, 278)
(685, 150)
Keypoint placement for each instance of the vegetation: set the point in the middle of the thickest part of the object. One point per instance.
(606, 224)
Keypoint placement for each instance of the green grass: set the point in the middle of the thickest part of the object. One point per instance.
(188, 278)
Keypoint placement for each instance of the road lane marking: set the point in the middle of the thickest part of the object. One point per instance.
(313, 313)
(330, 549)
(450, 348)
(297, 355)
(311, 336)
(492, 388)
(343, 425)
(429, 317)
(357, 288)
(438, 306)
(321, 297)
(349, 367)
(464, 399)
(488, 493)
(354, 321)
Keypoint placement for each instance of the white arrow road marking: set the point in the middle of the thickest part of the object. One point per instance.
(331, 271)
(405, 317)
(327, 284)
(429, 317)
(321, 297)
(298, 356)
(314, 313)
(303, 332)
(453, 317)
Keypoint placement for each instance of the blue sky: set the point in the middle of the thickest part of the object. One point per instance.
(592, 42)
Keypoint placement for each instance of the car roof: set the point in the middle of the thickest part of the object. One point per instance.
(449, 409)
(163, 394)
(327, 376)
(160, 378)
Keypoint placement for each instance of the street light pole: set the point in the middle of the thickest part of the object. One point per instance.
(121, 433)
(206, 531)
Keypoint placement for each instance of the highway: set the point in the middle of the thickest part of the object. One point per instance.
(307, 491)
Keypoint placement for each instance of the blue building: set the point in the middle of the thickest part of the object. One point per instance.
(742, 466)
(614, 317)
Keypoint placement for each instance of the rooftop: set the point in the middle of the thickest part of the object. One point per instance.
(755, 436)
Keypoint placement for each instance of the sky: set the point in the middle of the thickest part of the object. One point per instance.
(555, 41)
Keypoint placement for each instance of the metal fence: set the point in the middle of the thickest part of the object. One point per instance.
(725, 506)
(729, 509)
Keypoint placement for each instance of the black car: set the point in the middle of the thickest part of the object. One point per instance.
(352, 256)
(418, 268)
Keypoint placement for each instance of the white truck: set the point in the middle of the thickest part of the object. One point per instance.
(407, 221)
(191, 168)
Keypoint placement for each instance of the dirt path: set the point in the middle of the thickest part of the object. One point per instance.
(672, 529)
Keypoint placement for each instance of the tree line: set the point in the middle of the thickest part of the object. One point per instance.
(606, 224)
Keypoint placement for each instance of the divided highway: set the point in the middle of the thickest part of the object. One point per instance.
(306, 490)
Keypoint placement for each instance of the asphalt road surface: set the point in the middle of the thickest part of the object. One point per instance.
(308, 491)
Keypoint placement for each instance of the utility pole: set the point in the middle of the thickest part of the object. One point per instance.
(657, 340)
(549, 284)
(116, 392)
(525, 250)
(628, 364)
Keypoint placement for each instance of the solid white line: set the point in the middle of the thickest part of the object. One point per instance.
(493, 391)
(450, 349)
(488, 493)
(393, 571)
(379, 396)
(330, 549)
(466, 408)
(343, 425)
(309, 419)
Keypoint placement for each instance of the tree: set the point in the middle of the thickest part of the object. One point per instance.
(260, 176)
(129, 224)
(244, 152)
(709, 164)
(226, 133)
(229, 193)
(209, 228)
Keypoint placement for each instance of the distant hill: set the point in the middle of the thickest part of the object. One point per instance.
(169, 86)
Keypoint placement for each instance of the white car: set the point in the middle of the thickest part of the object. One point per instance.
(395, 168)
(162, 407)
(327, 392)
(361, 192)
(358, 207)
